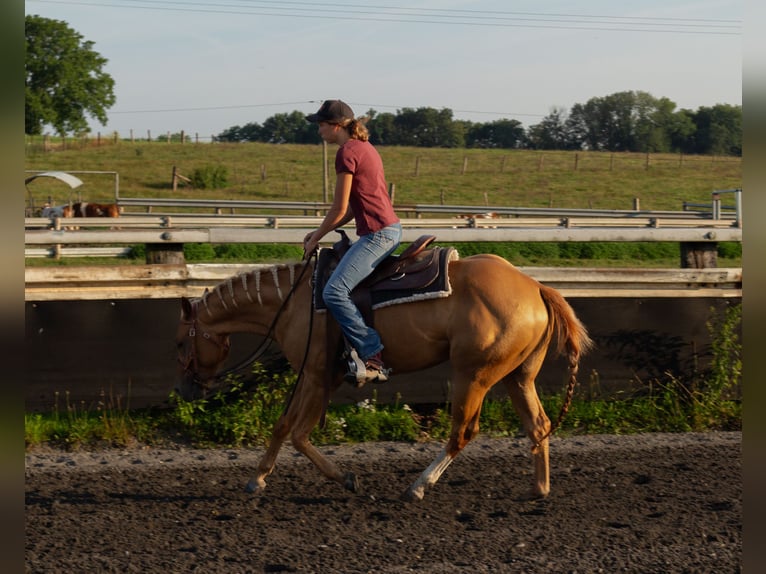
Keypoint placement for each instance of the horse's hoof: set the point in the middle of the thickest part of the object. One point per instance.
(412, 495)
(253, 487)
(351, 482)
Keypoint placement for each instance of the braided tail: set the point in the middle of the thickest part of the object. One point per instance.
(571, 339)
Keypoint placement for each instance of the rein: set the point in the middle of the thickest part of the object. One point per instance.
(243, 365)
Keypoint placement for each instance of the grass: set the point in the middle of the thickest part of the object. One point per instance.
(243, 417)
(521, 178)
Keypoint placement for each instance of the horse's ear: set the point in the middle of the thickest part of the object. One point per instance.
(186, 308)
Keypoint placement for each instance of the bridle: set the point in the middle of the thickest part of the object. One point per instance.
(189, 363)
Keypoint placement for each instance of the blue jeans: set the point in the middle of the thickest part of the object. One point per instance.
(359, 262)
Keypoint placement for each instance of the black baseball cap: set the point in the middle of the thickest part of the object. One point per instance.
(332, 111)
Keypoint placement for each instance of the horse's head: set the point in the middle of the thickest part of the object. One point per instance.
(201, 352)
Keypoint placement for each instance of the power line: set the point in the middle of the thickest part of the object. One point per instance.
(397, 14)
(358, 104)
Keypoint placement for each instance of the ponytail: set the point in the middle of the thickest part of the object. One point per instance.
(357, 129)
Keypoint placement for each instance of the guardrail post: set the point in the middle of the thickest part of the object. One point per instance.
(699, 255)
(716, 206)
(165, 254)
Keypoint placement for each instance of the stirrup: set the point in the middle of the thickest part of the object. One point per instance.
(359, 373)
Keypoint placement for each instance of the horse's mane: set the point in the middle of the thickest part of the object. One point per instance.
(238, 287)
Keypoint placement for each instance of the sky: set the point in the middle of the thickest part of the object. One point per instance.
(203, 66)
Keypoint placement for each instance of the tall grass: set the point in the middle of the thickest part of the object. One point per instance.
(245, 416)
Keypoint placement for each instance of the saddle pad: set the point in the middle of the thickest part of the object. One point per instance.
(438, 288)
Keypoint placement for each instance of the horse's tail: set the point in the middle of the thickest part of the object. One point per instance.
(571, 339)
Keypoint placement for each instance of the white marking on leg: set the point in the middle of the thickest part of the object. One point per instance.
(431, 474)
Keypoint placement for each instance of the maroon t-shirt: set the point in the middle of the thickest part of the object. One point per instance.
(369, 193)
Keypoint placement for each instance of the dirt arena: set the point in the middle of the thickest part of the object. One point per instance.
(649, 503)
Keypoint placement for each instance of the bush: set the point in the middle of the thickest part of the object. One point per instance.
(210, 177)
(730, 250)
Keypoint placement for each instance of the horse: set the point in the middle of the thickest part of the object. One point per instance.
(81, 209)
(496, 325)
(87, 209)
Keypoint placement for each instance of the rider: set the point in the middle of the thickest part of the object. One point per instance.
(361, 194)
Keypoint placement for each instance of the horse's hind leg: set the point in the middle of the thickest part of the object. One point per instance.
(301, 417)
(521, 386)
(466, 408)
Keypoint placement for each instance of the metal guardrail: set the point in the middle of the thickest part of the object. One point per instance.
(221, 206)
(474, 223)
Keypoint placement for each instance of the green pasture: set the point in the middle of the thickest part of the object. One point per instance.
(517, 178)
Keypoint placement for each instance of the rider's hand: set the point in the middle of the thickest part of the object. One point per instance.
(309, 245)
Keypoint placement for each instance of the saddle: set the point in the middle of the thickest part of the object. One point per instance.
(419, 272)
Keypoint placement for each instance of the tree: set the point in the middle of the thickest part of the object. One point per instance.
(504, 133)
(552, 132)
(719, 130)
(428, 127)
(383, 129)
(289, 128)
(64, 78)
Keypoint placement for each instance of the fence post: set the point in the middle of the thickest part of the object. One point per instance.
(417, 166)
(325, 173)
(465, 165)
(577, 160)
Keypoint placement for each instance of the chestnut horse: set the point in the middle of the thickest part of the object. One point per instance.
(87, 209)
(496, 325)
(81, 209)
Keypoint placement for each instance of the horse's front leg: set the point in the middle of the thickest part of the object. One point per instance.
(266, 465)
(301, 417)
